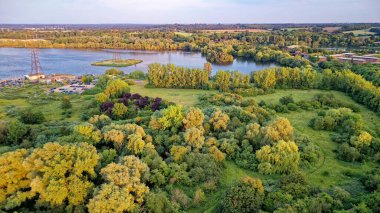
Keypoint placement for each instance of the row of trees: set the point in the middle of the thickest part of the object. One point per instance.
(171, 76)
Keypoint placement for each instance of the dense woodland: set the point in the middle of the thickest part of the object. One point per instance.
(127, 146)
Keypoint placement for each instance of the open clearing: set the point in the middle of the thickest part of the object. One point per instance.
(185, 97)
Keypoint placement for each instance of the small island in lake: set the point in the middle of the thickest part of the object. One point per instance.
(117, 63)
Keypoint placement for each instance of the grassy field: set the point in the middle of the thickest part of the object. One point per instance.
(34, 97)
(117, 63)
(185, 97)
(184, 34)
(365, 32)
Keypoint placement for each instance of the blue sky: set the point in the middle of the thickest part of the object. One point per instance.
(187, 11)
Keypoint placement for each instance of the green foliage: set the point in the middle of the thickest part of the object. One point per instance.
(114, 71)
(170, 76)
(16, 131)
(115, 88)
(243, 197)
(30, 117)
(282, 157)
(66, 102)
(137, 74)
(172, 117)
(60, 175)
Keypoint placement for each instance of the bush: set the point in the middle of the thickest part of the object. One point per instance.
(243, 197)
(30, 117)
(286, 100)
(292, 106)
(348, 153)
(137, 74)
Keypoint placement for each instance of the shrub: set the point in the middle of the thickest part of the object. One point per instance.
(30, 117)
(286, 100)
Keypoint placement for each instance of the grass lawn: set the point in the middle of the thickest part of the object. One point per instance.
(117, 63)
(185, 97)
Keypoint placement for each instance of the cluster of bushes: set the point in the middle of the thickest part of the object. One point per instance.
(128, 105)
(292, 193)
(346, 81)
(356, 142)
(319, 101)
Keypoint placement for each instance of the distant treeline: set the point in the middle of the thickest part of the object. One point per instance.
(219, 48)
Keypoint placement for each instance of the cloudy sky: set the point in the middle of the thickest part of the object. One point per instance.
(187, 11)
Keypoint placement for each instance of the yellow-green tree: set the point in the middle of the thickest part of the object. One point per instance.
(61, 174)
(265, 79)
(282, 157)
(178, 152)
(136, 144)
(364, 139)
(89, 131)
(194, 118)
(171, 117)
(119, 110)
(218, 155)
(194, 137)
(219, 120)
(124, 190)
(280, 129)
(116, 88)
(116, 137)
(14, 183)
(253, 130)
(101, 97)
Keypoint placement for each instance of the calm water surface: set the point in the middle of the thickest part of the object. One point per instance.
(15, 62)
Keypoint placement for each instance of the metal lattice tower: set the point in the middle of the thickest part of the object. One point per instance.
(36, 68)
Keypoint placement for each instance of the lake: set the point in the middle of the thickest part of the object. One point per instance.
(16, 62)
